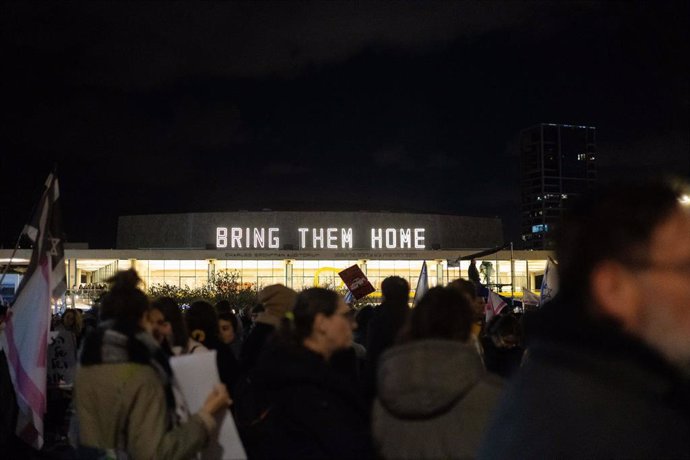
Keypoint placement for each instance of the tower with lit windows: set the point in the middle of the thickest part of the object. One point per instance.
(557, 163)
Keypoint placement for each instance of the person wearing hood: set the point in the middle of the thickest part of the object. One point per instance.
(277, 301)
(435, 398)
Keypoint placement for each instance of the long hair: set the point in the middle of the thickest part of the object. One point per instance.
(443, 313)
(172, 314)
(202, 323)
(125, 304)
(308, 304)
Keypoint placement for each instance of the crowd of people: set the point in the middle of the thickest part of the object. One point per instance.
(601, 371)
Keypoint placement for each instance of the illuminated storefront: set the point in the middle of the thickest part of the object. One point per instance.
(303, 249)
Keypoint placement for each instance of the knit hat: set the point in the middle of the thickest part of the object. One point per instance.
(277, 299)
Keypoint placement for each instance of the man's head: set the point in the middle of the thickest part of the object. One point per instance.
(624, 252)
(395, 289)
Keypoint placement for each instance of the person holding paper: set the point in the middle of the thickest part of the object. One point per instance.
(123, 391)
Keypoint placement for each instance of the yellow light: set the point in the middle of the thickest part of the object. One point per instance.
(684, 200)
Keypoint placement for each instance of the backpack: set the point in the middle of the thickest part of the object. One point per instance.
(255, 418)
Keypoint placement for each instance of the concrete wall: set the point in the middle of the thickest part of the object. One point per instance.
(198, 230)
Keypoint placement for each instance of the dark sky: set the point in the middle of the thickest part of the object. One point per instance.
(401, 106)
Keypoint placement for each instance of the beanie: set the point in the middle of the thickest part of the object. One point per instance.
(277, 299)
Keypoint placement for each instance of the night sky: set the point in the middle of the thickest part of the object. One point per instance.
(400, 106)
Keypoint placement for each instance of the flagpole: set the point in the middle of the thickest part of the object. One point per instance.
(512, 276)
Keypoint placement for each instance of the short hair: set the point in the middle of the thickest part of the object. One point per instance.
(395, 289)
(443, 313)
(505, 330)
(465, 287)
(614, 222)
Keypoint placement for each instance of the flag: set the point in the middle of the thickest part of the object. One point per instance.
(529, 297)
(494, 305)
(349, 297)
(549, 284)
(25, 338)
(422, 284)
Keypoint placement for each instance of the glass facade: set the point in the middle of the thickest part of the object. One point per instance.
(499, 273)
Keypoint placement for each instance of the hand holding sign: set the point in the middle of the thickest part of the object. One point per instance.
(356, 281)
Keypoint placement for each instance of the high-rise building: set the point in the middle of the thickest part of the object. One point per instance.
(557, 163)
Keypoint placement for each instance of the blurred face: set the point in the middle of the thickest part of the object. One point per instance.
(227, 332)
(337, 328)
(662, 288)
(68, 319)
(159, 327)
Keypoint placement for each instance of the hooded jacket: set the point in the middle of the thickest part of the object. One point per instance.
(434, 400)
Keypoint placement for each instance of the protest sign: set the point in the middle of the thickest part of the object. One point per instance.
(62, 358)
(196, 375)
(356, 281)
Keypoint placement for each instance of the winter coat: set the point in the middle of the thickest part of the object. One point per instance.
(258, 338)
(308, 410)
(384, 327)
(588, 390)
(123, 404)
(434, 400)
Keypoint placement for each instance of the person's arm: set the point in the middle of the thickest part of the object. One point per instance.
(147, 437)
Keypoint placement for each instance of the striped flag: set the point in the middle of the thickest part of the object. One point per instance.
(529, 297)
(549, 284)
(25, 338)
(494, 305)
(422, 284)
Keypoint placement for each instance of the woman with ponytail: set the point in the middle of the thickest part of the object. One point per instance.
(202, 322)
(124, 395)
(295, 403)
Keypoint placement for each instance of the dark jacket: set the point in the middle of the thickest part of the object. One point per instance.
(388, 318)
(435, 400)
(257, 339)
(588, 390)
(309, 410)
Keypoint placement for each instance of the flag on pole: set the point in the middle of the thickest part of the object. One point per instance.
(549, 284)
(529, 297)
(494, 305)
(422, 284)
(25, 338)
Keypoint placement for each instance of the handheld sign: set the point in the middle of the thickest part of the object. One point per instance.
(356, 281)
(62, 358)
(196, 374)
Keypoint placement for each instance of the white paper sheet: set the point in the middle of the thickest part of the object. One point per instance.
(196, 375)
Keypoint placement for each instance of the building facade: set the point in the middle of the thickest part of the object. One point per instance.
(557, 163)
(301, 250)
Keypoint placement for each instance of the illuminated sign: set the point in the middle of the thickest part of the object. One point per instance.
(319, 238)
